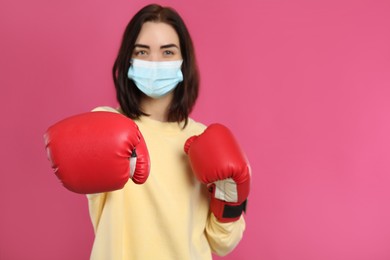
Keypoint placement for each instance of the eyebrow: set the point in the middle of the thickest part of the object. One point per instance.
(162, 47)
(169, 46)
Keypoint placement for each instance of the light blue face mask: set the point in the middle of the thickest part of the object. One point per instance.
(155, 78)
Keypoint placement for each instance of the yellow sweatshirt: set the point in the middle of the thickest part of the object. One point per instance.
(168, 216)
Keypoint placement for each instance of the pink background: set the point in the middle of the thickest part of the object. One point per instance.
(304, 85)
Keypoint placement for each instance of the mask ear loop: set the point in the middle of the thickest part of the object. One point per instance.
(131, 64)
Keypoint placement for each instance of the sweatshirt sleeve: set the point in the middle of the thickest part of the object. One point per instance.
(95, 206)
(224, 237)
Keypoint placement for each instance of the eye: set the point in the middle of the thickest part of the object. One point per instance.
(168, 53)
(140, 53)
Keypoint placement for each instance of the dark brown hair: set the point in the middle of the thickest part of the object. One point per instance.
(185, 94)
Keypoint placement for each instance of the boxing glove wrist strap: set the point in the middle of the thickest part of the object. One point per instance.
(234, 211)
(227, 212)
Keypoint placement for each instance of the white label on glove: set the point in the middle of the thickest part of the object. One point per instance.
(226, 190)
(133, 163)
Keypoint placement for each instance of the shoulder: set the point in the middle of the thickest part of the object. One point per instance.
(194, 127)
(106, 109)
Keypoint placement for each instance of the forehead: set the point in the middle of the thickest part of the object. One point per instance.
(157, 33)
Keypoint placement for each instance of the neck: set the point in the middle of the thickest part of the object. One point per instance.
(157, 108)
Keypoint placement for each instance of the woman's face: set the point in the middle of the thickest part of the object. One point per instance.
(157, 41)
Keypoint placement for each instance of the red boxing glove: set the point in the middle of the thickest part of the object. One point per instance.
(97, 152)
(217, 161)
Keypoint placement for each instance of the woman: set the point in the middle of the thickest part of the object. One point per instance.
(168, 217)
